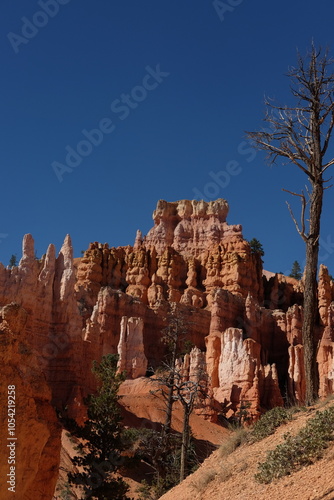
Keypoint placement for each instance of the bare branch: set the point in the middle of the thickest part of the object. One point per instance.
(273, 151)
(302, 134)
(328, 135)
(329, 164)
(301, 231)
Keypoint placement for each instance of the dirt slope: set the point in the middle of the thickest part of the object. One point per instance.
(222, 477)
(141, 409)
(232, 477)
(144, 409)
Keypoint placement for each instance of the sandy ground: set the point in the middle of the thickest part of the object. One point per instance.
(219, 477)
(232, 477)
(141, 408)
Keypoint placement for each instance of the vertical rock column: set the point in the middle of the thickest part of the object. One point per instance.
(130, 349)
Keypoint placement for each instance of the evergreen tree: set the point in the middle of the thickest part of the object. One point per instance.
(256, 246)
(100, 454)
(296, 271)
(161, 451)
(13, 261)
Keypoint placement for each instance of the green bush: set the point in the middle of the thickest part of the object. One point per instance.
(300, 450)
(268, 423)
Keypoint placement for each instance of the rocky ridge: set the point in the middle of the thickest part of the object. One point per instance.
(245, 326)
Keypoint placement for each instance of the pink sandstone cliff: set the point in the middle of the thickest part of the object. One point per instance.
(245, 328)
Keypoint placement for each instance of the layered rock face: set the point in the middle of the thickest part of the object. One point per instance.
(241, 375)
(40, 336)
(45, 289)
(245, 328)
(190, 251)
(30, 431)
(326, 345)
(131, 356)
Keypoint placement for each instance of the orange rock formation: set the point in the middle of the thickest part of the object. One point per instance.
(246, 327)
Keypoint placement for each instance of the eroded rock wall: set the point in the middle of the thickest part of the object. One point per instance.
(245, 327)
(30, 431)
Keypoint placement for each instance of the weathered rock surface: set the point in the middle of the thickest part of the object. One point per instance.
(245, 328)
(131, 355)
(30, 430)
(190, 251)
(242, 377)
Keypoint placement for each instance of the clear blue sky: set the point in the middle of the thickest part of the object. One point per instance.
(191, 81)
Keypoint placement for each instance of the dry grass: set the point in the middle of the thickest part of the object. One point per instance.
(225, 474)
(201, 481)
(243, 466)
(236, 439)
(324, 402)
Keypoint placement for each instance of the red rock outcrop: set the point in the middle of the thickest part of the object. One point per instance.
(131, 355)
(248, 327)
(190, 251)
(325, 294)
(40, 326)
(45, 289)
(30, 431)
(190, 227)
(325, 356)
(242, 377)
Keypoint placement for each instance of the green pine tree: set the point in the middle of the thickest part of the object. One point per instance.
(13, 260)
(102, 433)
(256, 246)
(296, 271)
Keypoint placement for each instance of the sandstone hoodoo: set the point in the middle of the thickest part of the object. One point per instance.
(58, 314)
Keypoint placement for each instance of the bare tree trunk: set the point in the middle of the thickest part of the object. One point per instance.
(169, 409)
(301, 135)
(185, 442)
(170, 394)
(175, 333)
(310, 295)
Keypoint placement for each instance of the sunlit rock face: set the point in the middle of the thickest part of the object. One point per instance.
(58, 314)
(30, 429)
(240, 376)
(131, 355)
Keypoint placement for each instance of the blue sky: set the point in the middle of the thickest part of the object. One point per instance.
(172, 87)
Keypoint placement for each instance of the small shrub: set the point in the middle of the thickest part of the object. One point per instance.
(242, 414)
(225, 474)
(203, 480)
(300, 450)
(144, 491)
(66, 492)
(269, 422)
(298, 408)
(325, 401)
(13, 261)
(236, 439)
(256, 247)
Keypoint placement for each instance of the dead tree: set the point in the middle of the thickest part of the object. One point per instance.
(187, 392)
(301, 135)
(174, 337)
